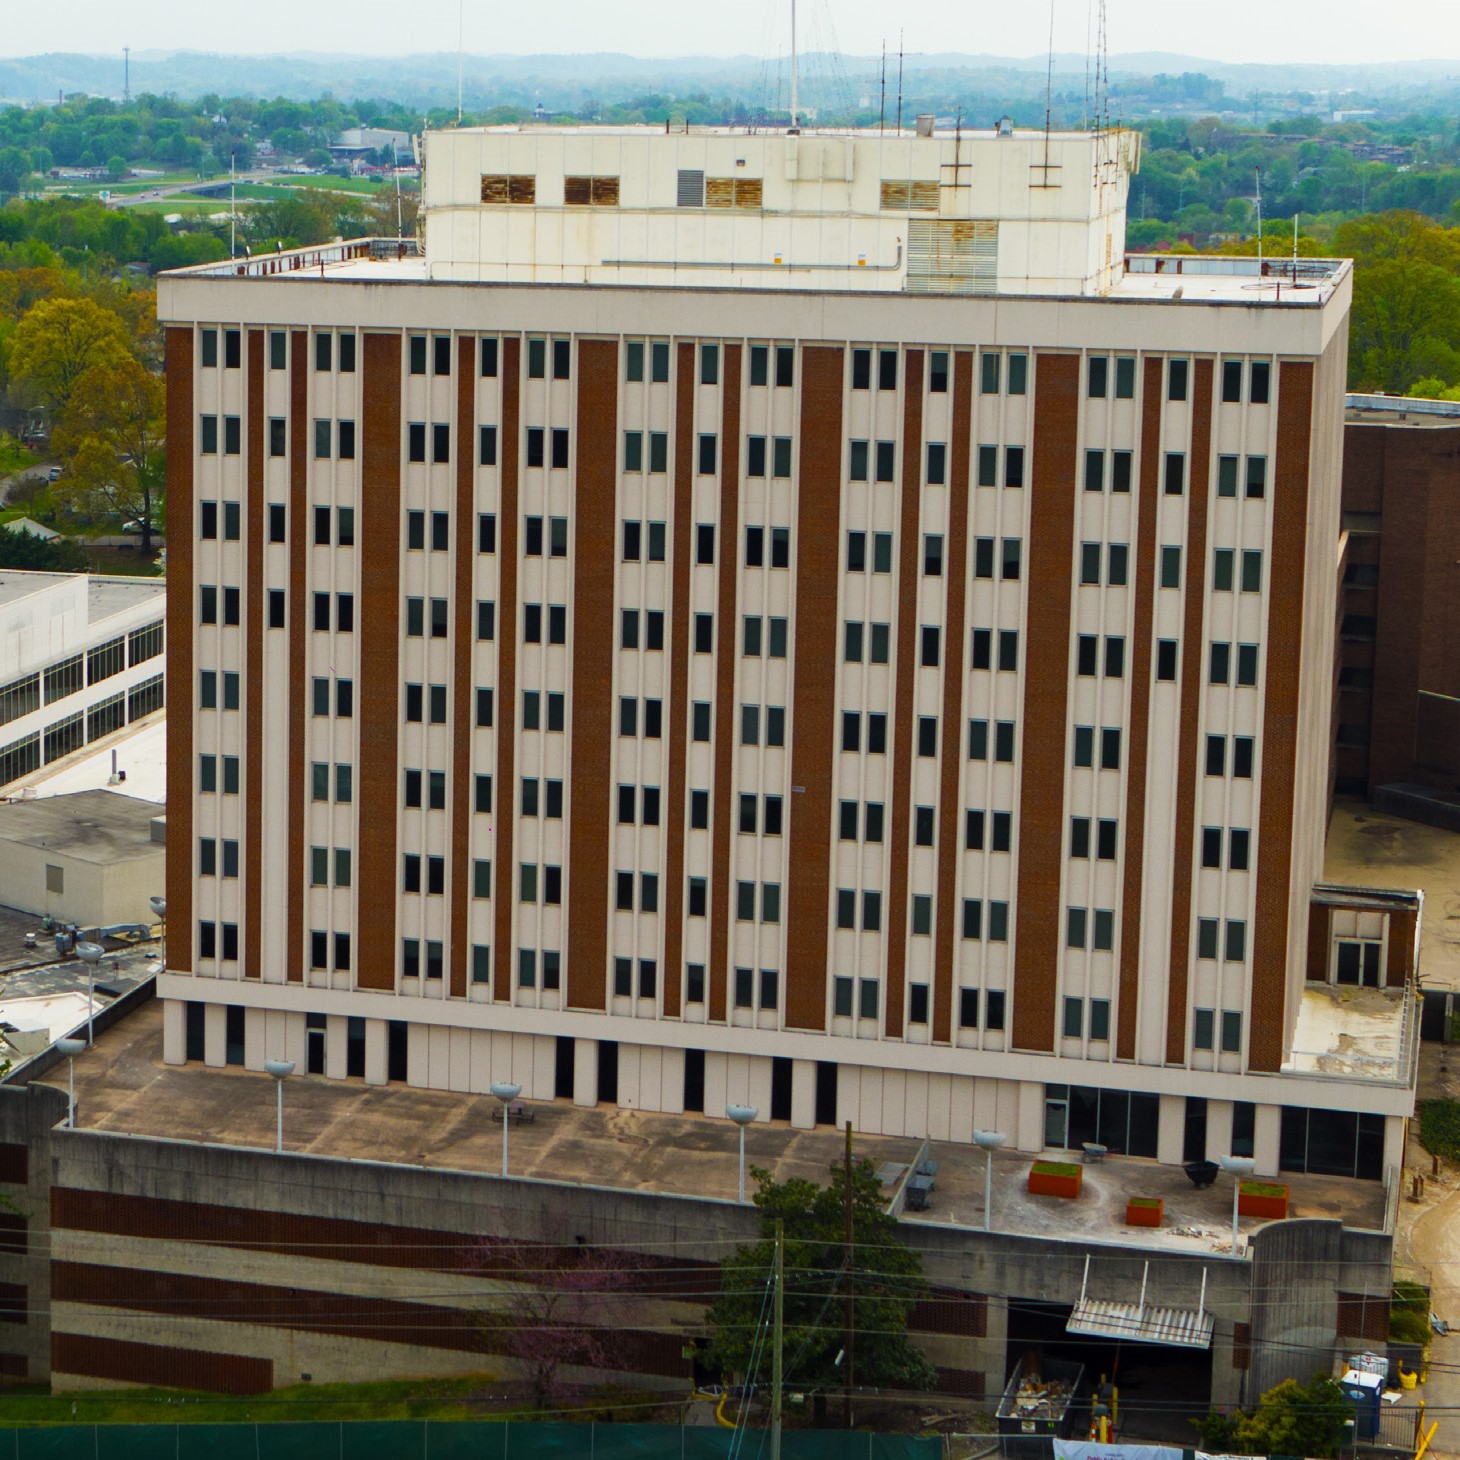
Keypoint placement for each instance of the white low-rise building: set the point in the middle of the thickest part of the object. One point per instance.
(80, 659)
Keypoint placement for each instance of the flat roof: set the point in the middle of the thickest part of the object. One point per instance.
(1148, 278)
(91, 826)
(18, 583)
(123, 1086)
(805, 133)
(141, 754)
(105, 594)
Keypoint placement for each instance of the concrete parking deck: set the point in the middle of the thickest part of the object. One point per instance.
(123, 1086)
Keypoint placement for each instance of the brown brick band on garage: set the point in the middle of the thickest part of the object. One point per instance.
(1189, 736)
(158, 1365)
(1282, 652)
(378, 701)
(459, 871)
(254, 596)
(1038, 919)
(677, 690)
(955, 677)
(1148, 505)
(181, 613)
(595, 510)
(299, 708)
(813, 708)
(503, 826)
(722, 820)
(902, 708)
(337, 1315)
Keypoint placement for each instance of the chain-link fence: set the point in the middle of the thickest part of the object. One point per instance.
(447, 1440)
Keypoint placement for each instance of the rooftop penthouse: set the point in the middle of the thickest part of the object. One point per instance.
(981, 213)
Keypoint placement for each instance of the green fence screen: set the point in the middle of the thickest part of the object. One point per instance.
(446, 1440)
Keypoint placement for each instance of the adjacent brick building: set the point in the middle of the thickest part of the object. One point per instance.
(1398, 720)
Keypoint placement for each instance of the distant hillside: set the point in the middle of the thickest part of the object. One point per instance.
(563, 82)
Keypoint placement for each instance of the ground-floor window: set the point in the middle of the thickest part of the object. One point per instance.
(1332, 1143)
(1122, 1121)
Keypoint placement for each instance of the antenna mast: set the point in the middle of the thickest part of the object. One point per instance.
(1048, 91)
(794, 106)
(126, 74)
(1259, 224)
(899, 82)
(460, 44)
(882, 95)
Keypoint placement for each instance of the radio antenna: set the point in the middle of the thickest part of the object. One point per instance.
(899, 82)
(794, 99)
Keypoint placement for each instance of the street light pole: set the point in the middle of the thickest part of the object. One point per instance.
(71, 1048)
(159, 911)
(990, 1140)
(742, 1115)
(280, 1070)
(506, 1093)
(1239, 1166)
(90, 954)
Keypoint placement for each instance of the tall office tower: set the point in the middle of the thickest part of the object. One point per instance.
(800, 619)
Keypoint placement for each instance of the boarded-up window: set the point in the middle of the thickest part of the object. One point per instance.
(1363, 1316)
(691, 191)
(1241, 1345)
(906, 195)
(733, 192)
(952, 256)
(509, 187)
(595, 192)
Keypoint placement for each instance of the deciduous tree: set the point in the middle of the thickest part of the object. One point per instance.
(554, 1310)
(58, 340)
(884, 1274)
(111, 440)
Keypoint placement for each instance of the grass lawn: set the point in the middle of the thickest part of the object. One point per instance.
(332, 183)
(183, 204)
(416, 1399)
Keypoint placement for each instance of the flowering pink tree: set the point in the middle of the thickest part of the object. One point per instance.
(557, 1307)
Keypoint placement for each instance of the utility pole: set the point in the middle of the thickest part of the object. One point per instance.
(779, 1339)
(849, 1336)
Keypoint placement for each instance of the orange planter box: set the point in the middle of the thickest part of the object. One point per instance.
(1144, 1211)
(1262, 1199)
(1055, 1178)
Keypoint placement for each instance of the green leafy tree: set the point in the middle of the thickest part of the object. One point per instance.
(885, 1276)
(1290, 1419)
(111, 440)
(57, 340)
(14, 166)
(23, 549)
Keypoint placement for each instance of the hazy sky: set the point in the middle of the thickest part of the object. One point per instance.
(1232, 30)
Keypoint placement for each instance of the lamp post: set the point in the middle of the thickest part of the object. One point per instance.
(506, 1093)
(1239, 1166)
(990, 1140)
(90, 954)
(71, 1048)
(159, 911)
(742, 1115)
(280, 1070)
